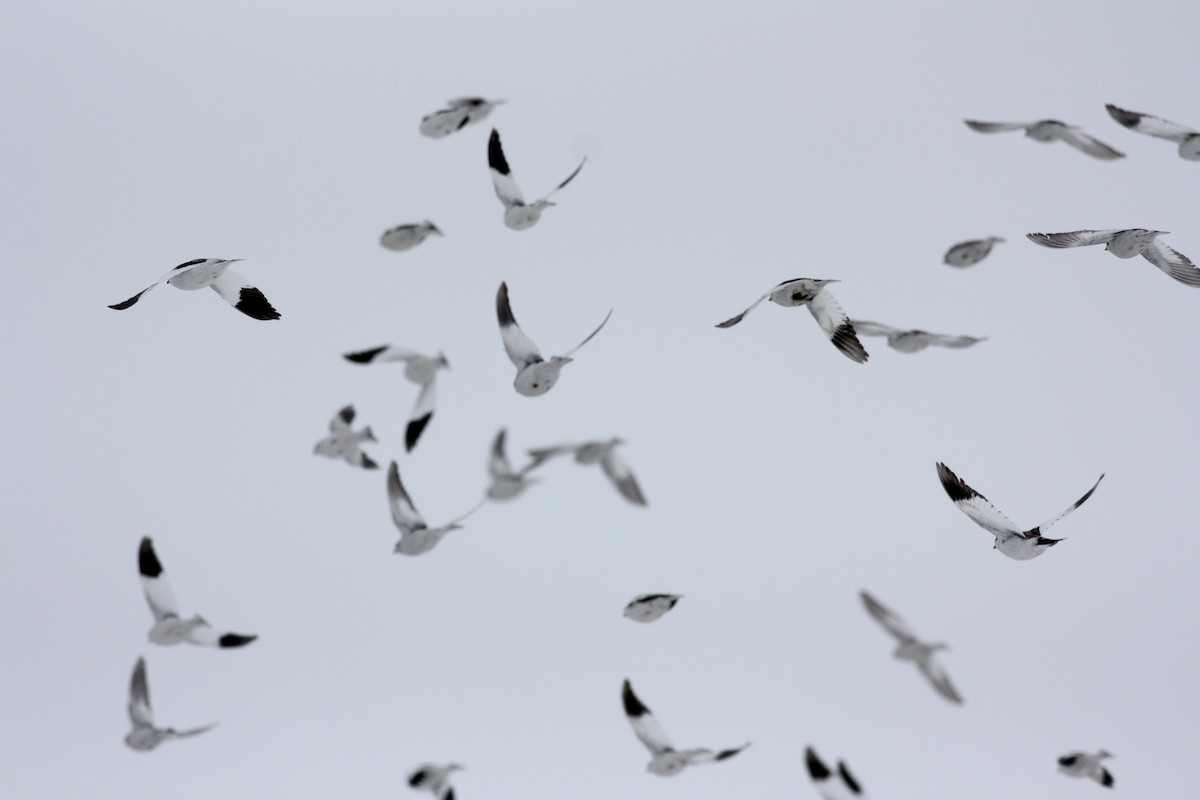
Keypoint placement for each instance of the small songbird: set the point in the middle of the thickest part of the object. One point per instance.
(649, 607)
(518, 214)
(535, 375)
(214, 273)
(343, 442)
(1187, 138)
(144, 735)
(839, 785)
(969, 253)
(912, 341)
(1051, 130)
(1010, 540)
(169, 626)
(434, 778)
(913, 649)
(822, 305)
(1087, 765)
(507, 482)
(1128, 243)
(605, 454)
(459, 113)
(416, 537)
(405, 237)
(666, 760)
(419, 369)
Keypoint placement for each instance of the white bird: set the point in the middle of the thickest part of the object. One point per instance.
(144, 735)
(969, 253)
(169, 626)
(1051, 130)
(518, 214)
(1010, 540)
(649, 607)
(535, 375)
(405, 237)
(913, 649)
(435, 778)
(821, 304)
(507, 482)
(1128, 243)
(1087, 765)
(1187, 138)
(603, 453)
(912, 341)
(460, 112)
(419, 369)
(214, 273)
(415, 536)
(839, 785)
(665, 759)
(343, 442)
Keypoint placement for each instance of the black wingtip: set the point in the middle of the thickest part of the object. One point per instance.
(954, 485)
(633, 706)
(235, 640)
(364, 356)
(1106, 778)
(503, 309)
(496, 158)
(367, 463)
(413, 432)
(148, 563)
(1067, 761)
(1129, 119)
(816, 767)
(253, 303)
(851, 783)
(417, 778)
(347, 414)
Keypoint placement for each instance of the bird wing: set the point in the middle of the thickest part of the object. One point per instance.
(1072, 238)
(702, 755)
(1090, 145)
(1172, 262)
(1042, 528)
(622, 477)
(380, 354)
(567, 180)
(890, 620)
(154, 582)
(541, 455)
(422, 413)
(833, 320)
(192, 731)
(995, 127)
(404, 513)
(729, 323)
(454, 522)
(234, 290)
(975, 505)
(1151, 125)
(945, 340)
(589, 336)
(139, 696)
(864, 328)
(499, 466)
(520, 348)
(645, 726)
(839, 785)
(938, 678)
(341, 420)
(186, 266)
(502, 179)
(206, 635)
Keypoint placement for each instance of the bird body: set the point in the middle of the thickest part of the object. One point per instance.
(507, 482)
(518, 214)
(535, 375)
(344, 442)
(214, 273)
(969, 253)
(649, 607)
(459, 113)
(408, 236)
(821, 304)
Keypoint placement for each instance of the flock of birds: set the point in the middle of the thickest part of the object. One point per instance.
(537, 375)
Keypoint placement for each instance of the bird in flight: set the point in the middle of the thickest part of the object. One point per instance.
(343, 442)
(518, 214)
(912, 341)
(434, 778)
(665, 759)
(507, 482)
(910, 648)
(419, 369)
(649, 607)
(1087, 765)
(1187, 138)
(459, 113)
(406, 237)
(1128, 243)
(840, 785)
(969, 253)
(604, 453)
(1051, 130)
(144, 735)
(214, 273)
(416, 537)
(822, 305)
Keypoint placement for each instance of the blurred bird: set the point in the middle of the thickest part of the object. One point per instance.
(649, 607)
(459, 113)
(666, 760)
(1128, 243)
(1087, 765)
(169, 627)
(214, 273)
(415, 536)
(821, 304)
(913, 649)
(518, 215)
(419, 369)
(912, 341)
(969, 253)
(342, 442)
(1051, 130)
(507, 482)
(144, 735)
(1010, 540)
(604, 453)
(434, 778)
(404, 237)
(839, 785)
(1187, 138)
(535, 375)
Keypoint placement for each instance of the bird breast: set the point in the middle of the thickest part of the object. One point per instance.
(196, 278)
(171, 630)
(1128, 244)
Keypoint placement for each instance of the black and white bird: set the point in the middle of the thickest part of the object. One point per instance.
(840, 785)
(1087, 765)
(406, 237)
(649, 607)
(459, 113)
(969, 253)
(416, 537)
(603, 453)
(1051, 130)
(214, 273)
(910, 648)
(434, 778)
(419, 369)
(144, 736)
(535, 375)
(507, 482)
(518, 214)
(1187, 138)
(665, 759)
(169, 626)
(1128, 243)
(912, 341)
(1010, 540)
(821, 304)
(343, 442)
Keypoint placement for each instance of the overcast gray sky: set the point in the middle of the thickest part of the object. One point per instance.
(728, 150)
